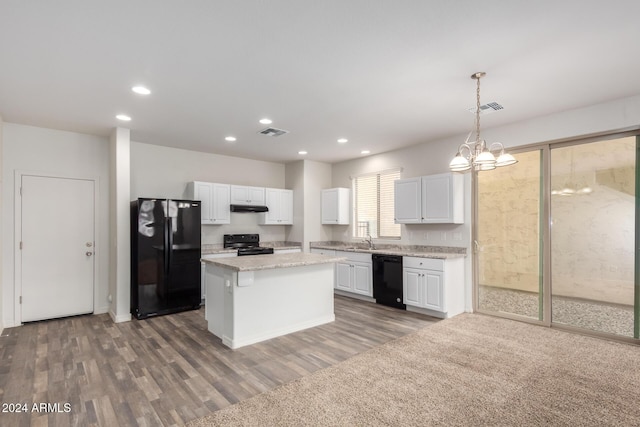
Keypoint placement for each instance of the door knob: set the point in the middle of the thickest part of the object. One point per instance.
(89, 253)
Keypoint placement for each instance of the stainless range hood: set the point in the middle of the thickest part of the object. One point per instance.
(249, 208)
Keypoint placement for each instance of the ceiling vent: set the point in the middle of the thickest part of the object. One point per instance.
(487, 108)
(273, 132)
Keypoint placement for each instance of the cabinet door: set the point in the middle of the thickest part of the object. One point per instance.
(273, 198)
(286, 206)
(202, 192)
(220, 201)
(407, 208)
(256, 195)
(436, 198)
(433, 290)
(280, 204)
(330, 206)
(343, 276)
(411, 287)
(362, 283)
(239, 195)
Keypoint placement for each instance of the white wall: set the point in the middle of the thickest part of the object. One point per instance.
(33, 149)
(164, 172)
(294, 180)
(307, 178)
(317, 176)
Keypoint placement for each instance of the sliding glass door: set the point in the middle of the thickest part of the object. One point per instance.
(556, 237)
(593, 235)
(508, 243)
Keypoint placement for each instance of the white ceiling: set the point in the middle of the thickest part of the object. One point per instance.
(382, 73)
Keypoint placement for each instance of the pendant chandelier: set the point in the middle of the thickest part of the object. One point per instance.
(476, 153)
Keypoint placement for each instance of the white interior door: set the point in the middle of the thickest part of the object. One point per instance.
(57, 239)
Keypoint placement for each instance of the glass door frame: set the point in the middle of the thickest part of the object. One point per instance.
(544, 247)
(545, 227)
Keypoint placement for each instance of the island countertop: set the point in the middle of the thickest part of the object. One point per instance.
(266, 262)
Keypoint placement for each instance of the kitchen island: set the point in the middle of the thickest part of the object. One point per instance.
(255, 298)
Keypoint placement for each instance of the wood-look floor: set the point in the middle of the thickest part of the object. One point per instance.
(168, 370)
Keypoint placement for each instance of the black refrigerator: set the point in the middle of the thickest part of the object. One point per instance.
(165, 256)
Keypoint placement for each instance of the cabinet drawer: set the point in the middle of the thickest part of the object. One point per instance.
(355, 256)
(424, 263)
(323, 251)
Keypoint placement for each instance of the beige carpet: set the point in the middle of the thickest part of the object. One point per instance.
(471, 370)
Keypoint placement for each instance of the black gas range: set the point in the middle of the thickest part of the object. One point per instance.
(247, 244)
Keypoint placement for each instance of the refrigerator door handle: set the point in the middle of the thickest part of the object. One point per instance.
(169, 247)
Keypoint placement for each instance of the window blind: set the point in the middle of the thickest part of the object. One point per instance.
(374, 205)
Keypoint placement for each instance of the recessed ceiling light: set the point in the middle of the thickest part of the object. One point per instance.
(302, 152)
(365, 152)
(230, 138)
(266, 121)
(343, 140)
(141, 90)
(123, 117)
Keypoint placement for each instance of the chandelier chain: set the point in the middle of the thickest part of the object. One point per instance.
(478, 109)
(478, 154)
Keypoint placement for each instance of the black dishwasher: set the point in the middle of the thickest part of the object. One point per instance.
(387, 280)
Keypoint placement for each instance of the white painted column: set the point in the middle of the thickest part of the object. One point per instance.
(119, 219)
(1, 237)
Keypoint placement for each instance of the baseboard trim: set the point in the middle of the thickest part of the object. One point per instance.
(237, 343)
(120, 318)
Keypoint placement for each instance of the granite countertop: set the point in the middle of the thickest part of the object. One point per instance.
(266, 262)
(218, 248)
(437, 252)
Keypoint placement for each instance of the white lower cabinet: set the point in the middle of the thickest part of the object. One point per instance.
(435, 285)
(355, 274)
(424, 288)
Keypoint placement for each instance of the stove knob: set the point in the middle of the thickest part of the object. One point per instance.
(398, 300)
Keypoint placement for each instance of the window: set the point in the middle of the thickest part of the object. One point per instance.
(373, 205)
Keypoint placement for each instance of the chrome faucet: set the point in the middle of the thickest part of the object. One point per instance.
(370, 242)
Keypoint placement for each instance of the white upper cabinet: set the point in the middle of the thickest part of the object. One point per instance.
(442, 198)
(408, 209)
(214, 198)
(280, 204)
(335, 206)
(433, 199)
(243, 195)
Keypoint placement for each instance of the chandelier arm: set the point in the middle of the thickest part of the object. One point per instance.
(499, 145)
(461, 149)
(466, 141)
